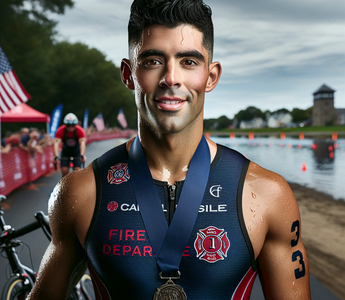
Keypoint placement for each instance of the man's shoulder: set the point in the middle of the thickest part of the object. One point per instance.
(80, 131)
(60, 131)
(74, 190)
(267, 185)
(72, 203)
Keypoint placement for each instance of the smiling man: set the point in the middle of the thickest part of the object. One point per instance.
(170, 214)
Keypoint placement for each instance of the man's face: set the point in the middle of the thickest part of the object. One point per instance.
(170, 74)
(70, 127)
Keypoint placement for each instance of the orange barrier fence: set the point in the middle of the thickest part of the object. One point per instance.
(19, 167)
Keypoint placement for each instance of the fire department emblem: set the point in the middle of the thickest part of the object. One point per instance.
(112, 206)
(211, 244)
(118, 174)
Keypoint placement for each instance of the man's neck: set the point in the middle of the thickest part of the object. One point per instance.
(169, 156)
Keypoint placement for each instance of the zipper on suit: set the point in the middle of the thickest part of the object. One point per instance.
(172, 201)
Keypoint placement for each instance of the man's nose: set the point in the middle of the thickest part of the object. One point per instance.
(171, 77)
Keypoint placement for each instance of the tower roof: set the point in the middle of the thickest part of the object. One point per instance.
(324, 89)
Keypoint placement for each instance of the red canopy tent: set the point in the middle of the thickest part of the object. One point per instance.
(24, 113)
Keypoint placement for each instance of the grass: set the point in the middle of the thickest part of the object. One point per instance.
(308, 131)
(340, 128)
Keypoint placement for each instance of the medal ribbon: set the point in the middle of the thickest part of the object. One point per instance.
(169, 242)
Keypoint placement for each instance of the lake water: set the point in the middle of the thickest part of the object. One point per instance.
(324, 160)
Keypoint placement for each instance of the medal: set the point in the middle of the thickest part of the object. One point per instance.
(169, 242)
(170, 291)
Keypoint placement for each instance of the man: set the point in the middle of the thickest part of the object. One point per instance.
(228, 218)
(30, 141)
(72, 137)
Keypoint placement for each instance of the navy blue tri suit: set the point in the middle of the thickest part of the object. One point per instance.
(218, 262)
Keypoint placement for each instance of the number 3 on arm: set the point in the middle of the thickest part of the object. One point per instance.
(297, 254)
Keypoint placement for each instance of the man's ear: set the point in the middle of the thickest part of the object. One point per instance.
(214, 76)
(126, 74)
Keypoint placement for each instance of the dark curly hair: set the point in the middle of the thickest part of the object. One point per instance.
(171, 14)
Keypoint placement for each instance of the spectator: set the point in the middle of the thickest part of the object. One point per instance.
(29, 141)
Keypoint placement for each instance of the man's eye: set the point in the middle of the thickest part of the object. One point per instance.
(189, 62)
(151, 62)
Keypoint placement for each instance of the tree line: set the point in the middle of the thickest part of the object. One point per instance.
(251, 112)
(74, 74)
(55, 72)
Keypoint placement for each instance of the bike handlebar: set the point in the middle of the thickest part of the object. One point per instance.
(42, 221)
(24, 230)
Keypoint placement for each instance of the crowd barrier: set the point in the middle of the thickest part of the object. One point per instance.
(19, 167)
(100, 136)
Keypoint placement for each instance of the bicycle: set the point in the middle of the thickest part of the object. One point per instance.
(22, 280)
(70, 160)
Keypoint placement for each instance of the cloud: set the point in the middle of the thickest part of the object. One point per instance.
(274, 54)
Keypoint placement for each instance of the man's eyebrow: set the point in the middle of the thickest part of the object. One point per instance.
(150, 52)
(154, 52)
(192, 53)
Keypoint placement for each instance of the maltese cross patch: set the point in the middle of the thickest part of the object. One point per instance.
(211, 244)
(118, 174)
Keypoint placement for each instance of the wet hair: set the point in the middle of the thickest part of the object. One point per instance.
(171, 14)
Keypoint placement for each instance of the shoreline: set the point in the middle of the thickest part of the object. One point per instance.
(322, 231)
(286, 131)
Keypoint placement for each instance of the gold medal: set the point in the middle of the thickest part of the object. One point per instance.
(170, 291)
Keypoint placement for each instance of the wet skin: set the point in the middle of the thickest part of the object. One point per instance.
(170, 73)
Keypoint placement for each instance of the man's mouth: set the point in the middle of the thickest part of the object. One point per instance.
(169, 104)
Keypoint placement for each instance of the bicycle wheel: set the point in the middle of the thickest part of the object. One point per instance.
(87, 287)
(16, 288)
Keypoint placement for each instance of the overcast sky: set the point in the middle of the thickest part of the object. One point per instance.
(274, 54)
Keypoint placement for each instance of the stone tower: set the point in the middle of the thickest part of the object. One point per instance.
(324, 112)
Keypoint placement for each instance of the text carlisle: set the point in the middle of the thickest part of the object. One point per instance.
(208, 208)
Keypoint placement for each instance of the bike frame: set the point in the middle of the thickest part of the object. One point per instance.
(8, 242)
(71, 161)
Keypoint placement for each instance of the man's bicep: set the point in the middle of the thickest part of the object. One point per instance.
(64, 259)
(283, 262)
(59, 265)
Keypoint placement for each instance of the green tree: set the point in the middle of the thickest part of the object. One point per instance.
(222, 122)
(249, 113)
(300, 115)
(83, 78)
(54, 73)
(27, 36)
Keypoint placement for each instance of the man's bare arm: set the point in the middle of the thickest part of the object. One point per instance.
(57, 142)
(70, 213)
(274, 227)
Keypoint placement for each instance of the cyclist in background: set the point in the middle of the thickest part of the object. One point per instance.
(73, 138)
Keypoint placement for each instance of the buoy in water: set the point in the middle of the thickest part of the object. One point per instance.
(304, 167)
(334, 136)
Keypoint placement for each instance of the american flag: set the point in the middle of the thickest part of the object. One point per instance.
(99, 122)
(122, 119)
(12, 93)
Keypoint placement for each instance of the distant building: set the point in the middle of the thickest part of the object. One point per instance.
(255, 123)
(279, 120)
(324, 112)
(341, 116)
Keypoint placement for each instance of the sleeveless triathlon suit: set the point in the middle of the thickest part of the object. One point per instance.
(218, 261)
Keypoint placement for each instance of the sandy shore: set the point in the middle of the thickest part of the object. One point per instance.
(323, 234)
